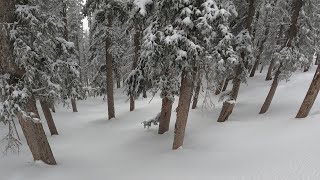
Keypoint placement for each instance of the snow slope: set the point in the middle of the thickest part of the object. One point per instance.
(274, 146)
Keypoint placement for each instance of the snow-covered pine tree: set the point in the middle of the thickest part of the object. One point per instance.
(106, 14)
(289, 58)
(244, 50)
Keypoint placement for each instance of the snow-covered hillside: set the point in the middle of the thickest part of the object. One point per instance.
(273, 146)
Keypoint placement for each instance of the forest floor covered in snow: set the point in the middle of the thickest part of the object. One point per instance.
(273, 146)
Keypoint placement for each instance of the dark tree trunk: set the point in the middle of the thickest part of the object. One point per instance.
(225, 86)
(292, 32)
(271, 93)
(227, 107)
(137, 47)
(183, 109)
(261, 70)
(255, 67)
(110, 98)
(53, 109)
(74, 105)
(270, 69)
(118, 84)
(47, 114)
(310, 96)
(196, 92)
(35, 136)
(144, 93)
(165, 115)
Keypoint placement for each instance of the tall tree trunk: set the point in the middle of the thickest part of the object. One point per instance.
(74, 105)
(164, 121)
(270, 69)
(137, 47)
(118, 84)
(227, 107)
(144, 93)
(310, 96)
(292, 32)
(47, 114)
(183, 109)
(110, 98)
(271, 93)
(35, 135)
(255, 67)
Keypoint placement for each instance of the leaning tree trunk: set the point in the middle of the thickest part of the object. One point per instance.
(225, 86)
(311, 95)
(164, 121)
(74, 105)
(196, 92)
(35, 135)
(270, 69)
(137, 47)
(271, 93)
(261, 70)
(47, 114)
(292, 32)
(228, 106)
(183, 109)
(110, 98)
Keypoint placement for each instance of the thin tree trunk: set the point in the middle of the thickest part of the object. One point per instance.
(47, 114)
(74, 105)
(183, 109)
(270, 69)
(271, 93)
(219, 88)
(137, 47)
(255, 67)
(164, 121)
(196, 92)
(144, 93)
(52, 107)
(261, 70)
(225, 86)
(35, 135)
(310, 96)
(110, 98)
(118, 84)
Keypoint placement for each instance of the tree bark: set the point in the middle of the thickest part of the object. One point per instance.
(255, 67)
(52, 107)
(196, 92)
(35, 135)
(137, 47)
(118, 84)
(47, 114)
(183, 109)
(74, 105)
(271, 93)
(225, 86)
(165, 115)
(310, 96)
(292, 33)
(110, 97)
(227, 107)
(270, 69)
(261, 70)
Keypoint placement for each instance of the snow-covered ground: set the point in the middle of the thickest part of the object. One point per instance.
(274, 146)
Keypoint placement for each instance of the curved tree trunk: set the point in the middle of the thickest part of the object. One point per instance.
(137, 47)
(47, 114)
(35, 136)
(183, 109)
(164, 121)
(310, 96)
(110, 98)
(74, 105)
(271, 93)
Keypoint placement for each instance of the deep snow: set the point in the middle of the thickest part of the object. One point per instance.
(274, 146)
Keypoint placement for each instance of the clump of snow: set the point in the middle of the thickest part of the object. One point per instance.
(141, 4)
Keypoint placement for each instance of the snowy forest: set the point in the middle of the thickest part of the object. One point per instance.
(159, 89)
